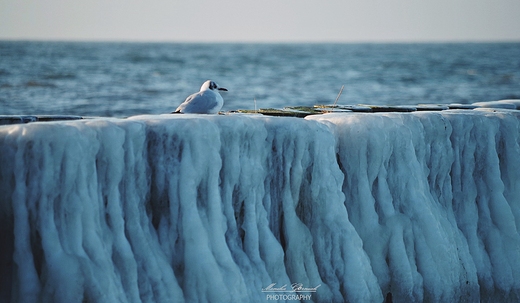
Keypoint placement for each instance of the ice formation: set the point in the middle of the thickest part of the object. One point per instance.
(424, 206)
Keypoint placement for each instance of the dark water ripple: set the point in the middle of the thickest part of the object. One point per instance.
(123, 79)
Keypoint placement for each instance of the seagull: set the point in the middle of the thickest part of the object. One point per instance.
(207, 101)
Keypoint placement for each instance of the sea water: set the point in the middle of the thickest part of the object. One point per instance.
(125, 79)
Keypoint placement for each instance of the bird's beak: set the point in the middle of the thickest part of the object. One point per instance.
(223, 89)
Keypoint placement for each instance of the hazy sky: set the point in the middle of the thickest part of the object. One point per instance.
(261, 20)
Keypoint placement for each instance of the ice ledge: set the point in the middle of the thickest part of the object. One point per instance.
(15, 119)
(301, 111)
(209, 208)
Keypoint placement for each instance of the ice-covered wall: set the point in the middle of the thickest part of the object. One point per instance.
(174, 208)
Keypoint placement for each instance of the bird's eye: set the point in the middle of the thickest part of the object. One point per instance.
(212, 85)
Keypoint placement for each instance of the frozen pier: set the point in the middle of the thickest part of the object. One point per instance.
(422, 205)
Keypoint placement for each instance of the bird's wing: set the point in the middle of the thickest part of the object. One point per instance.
(185, 103)
(199, 103)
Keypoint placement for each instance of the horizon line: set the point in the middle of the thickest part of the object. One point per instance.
(274, 41)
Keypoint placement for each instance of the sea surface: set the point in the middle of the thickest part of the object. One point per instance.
(125, 79)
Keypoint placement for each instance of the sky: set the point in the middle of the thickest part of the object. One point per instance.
(261, 20)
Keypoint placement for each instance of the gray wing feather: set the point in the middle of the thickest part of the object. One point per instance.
(197, 103)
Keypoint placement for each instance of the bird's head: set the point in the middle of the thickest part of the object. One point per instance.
(212, 85)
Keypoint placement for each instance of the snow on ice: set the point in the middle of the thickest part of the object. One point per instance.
(424, 206)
